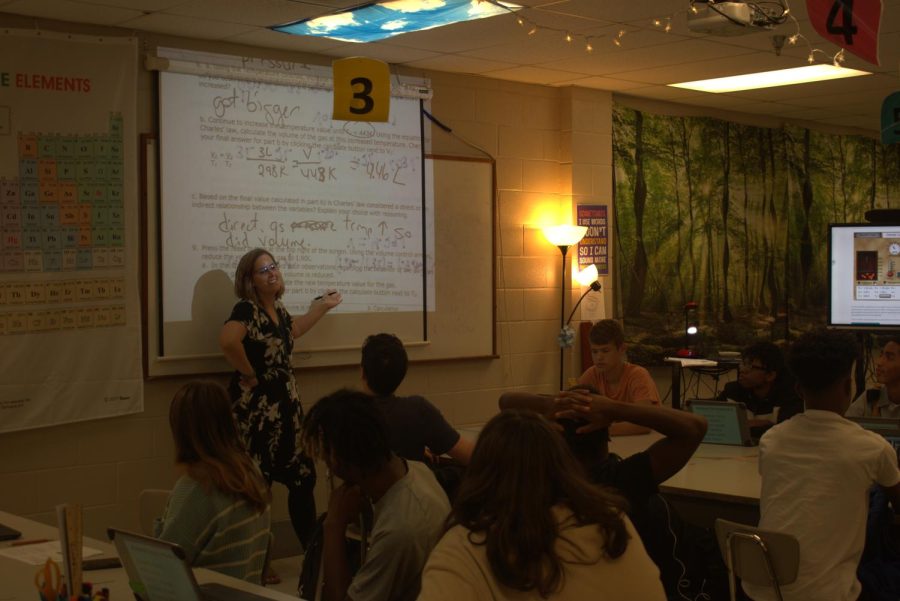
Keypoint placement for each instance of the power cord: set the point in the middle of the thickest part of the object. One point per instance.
(683, 581)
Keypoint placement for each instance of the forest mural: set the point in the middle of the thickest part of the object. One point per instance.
(735, 218)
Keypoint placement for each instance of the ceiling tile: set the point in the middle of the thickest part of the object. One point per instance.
(664, 93)
(265, 13)
(534, 51)
(620, 12)
(602, 83)
(606, 60)
(458, 64)
(187, 26)
(70, 10)
(464, 36)
(499, 48)
(139, 5)
(274, 39)
(383, 52)
(532, 75)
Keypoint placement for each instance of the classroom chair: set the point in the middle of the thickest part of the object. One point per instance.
(151, 505)
(761, 557)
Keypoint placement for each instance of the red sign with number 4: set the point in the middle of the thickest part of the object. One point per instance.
(853, 25)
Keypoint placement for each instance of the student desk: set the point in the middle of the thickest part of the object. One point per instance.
(718, 481)
(17, 578)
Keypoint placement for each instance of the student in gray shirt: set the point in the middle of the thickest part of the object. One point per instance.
(347, 431)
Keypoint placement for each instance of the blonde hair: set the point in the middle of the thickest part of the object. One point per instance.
(243, 275)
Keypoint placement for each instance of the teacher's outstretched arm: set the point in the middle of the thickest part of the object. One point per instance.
(317, 309)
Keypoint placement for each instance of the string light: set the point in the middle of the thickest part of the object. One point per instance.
(665, 23)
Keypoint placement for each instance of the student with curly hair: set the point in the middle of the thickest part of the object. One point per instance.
(348, 432)
(817, 469)
(527, 524)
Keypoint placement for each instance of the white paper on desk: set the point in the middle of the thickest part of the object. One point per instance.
(697, 363)
(36, 554)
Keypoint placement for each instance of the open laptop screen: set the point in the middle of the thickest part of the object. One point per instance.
(155, 570)
(727, 422)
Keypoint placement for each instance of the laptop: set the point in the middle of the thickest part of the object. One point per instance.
(885, 426)
(158, 571)
(727, 422)
(877, 424)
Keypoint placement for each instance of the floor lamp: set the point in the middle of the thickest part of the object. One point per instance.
(563, 236)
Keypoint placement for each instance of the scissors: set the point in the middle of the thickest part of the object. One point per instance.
(48, 582)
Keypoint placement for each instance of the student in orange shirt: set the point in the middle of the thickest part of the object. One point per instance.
(613, 377)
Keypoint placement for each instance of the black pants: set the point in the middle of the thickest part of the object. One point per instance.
(302, 509)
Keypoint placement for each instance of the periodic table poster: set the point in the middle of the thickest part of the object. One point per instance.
(70, 347)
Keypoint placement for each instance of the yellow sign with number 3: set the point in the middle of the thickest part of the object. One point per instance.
(362, 89)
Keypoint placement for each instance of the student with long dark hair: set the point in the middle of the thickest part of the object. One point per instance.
(527, 524)
(219, 509)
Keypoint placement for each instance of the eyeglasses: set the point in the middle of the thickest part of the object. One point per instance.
(273, 266)
(747, 365)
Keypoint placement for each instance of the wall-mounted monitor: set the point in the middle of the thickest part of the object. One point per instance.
(864, 276)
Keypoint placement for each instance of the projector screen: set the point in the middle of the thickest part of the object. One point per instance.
(864, 276)
(246, 163)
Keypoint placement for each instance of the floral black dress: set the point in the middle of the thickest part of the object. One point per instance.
(269, 414)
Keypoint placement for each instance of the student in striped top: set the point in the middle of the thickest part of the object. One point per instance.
(219, 509)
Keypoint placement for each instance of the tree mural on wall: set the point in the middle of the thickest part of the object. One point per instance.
(736, 218)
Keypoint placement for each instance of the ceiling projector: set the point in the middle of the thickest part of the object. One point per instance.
(725, 19)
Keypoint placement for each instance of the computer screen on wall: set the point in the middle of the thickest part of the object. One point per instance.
(864, 276)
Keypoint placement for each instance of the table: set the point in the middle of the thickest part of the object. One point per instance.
(719, 481)
(719, 367)
(17, 578)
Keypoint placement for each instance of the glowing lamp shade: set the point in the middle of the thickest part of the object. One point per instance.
(564, 235)
(691, 330)
(587, 276)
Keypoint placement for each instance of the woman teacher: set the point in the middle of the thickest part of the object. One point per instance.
(257, 341)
